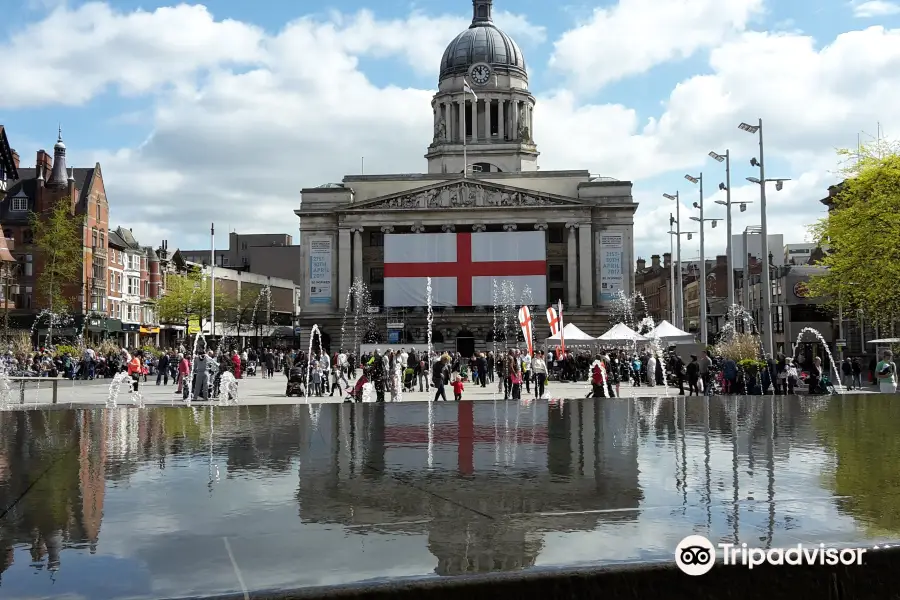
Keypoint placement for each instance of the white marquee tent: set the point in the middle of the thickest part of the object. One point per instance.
(572, 335)
(668, 333)
(622, 333)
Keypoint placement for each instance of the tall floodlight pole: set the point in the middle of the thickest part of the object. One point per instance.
(679, 300)
(212, 280)
(729, 251)
(699, 205)
(672, 310)
(765, 313)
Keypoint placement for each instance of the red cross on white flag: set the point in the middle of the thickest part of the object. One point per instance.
(525, 321)
(553, 319)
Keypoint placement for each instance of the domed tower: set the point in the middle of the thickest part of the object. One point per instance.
(483, 109)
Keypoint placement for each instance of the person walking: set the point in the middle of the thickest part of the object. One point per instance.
(693, 376)
(440, 374)
(539, 368)
(886, 372)
(162, 369)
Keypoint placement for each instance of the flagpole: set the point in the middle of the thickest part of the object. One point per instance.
(467, 89)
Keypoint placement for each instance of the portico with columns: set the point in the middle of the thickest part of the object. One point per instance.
(587, 221)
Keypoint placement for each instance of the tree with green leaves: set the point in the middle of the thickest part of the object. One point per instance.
(60, 246)
(862, 234)
(188, 297)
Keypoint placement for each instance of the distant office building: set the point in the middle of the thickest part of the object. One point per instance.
(798, 254)
(754, 247)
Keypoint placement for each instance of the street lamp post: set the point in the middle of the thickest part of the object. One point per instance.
(699, 205)
(766, 308)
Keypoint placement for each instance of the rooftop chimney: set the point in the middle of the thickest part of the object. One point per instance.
(721, 259)
(667, 260)
(641, 264)
(654, 261)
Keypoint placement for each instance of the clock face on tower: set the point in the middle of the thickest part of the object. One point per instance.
(480, 73)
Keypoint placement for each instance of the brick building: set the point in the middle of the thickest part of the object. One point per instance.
(655, 284)
(38, 190)
(130, 290)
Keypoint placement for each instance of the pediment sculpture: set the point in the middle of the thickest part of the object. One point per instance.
(465, 195)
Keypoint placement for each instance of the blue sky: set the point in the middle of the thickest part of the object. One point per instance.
(229, 111)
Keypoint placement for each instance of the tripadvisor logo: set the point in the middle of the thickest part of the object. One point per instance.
(696, 555)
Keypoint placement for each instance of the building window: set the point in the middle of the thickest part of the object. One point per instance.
(224, 261)
(555, 235)
(19, 204)
(99, 218)
(376, 275)
(102, 240)
(94, 238)
(28, 237)
(557, 273)
(376, 297)
(146, 288)
(376, 239)
(778, 324)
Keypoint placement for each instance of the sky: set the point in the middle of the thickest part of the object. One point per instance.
(223, 112)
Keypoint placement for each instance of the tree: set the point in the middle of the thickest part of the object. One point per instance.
(862, 234)
(188, 297)
(251, 308)
(58, 238)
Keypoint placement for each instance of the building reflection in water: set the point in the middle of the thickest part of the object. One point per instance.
(490, 477)
(488, 486)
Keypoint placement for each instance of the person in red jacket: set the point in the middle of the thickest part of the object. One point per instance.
(136, 368)
(236, 362)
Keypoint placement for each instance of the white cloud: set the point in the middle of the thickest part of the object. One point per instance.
(275, 113)
(636, 35)
(875, 8)
(73, 55)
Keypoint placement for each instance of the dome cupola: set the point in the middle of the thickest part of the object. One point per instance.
(484, 43)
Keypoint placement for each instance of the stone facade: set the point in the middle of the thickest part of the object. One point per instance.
(488, 128)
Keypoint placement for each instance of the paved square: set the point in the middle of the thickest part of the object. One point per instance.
(256, 390)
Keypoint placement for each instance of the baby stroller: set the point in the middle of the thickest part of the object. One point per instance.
(251, 369)
(409, 377)
(355, 394)
(296, 380)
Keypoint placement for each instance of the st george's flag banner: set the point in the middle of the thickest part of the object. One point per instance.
(464, 267)
(525, 321)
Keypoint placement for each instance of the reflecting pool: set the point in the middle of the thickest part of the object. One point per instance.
(162, 502)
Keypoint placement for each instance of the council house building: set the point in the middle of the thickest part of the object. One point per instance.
(500, 226)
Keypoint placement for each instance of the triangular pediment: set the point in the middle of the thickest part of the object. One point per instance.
(464, 194)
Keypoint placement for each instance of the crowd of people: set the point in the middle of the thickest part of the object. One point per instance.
(397, 371)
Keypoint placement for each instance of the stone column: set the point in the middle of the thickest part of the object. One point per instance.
(513, 120)
(462, 119)
(501, 119)
(542, 226)
(572, 268)
(357, 254)
(475, 120)
(345, 277)
(585, 272)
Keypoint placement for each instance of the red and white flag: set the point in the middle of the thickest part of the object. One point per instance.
(553, 319)
(527, 332)
(463, 267)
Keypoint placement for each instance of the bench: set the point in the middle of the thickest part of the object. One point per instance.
(24, 380)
